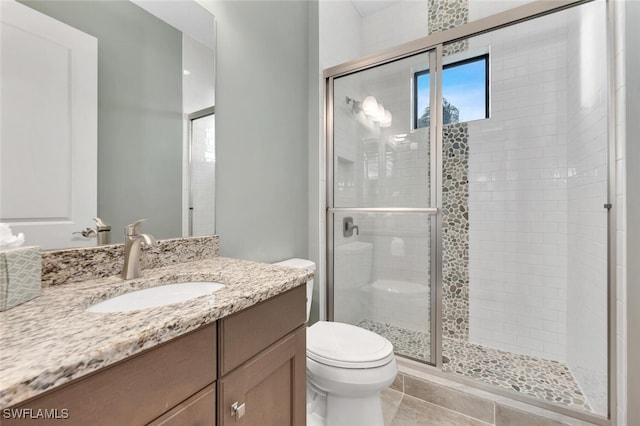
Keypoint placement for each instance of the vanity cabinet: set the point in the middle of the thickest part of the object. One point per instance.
(134, 391)
(263, 383)
(269, 390)
(254, 359)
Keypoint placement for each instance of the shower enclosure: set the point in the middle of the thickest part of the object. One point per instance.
(468, 203)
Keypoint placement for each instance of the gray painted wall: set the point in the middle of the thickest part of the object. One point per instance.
(632, 12)
(261, 128)
(139, 112)
(316, 149)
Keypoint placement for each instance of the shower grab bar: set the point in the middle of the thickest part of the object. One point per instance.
(432, 210)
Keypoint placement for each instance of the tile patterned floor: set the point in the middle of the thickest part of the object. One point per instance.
(548, 380)
(410, 343)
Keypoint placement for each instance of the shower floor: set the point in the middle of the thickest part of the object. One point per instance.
(544, 379)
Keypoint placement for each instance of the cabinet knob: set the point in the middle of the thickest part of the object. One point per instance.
(237, 410)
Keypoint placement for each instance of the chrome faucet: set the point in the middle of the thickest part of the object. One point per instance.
(133, 241)
(103, 231)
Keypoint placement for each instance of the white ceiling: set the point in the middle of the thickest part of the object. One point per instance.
(369, 7)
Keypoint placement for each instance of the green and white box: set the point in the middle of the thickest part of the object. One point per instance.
(20, 276)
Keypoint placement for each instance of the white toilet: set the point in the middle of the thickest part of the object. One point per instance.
(347, 367)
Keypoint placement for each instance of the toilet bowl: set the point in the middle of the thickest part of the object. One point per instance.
(347, 367)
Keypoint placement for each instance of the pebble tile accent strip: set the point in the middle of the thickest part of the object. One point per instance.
(455, 231)
(52, 340)
(551, 381)
(80, 264)
(445, 14)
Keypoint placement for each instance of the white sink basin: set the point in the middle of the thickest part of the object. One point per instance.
(156, 296)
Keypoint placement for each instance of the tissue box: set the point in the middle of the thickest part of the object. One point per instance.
(20, 276)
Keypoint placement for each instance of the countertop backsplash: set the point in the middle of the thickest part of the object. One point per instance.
(86, 263)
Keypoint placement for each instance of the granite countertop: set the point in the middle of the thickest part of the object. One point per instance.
(51, 340)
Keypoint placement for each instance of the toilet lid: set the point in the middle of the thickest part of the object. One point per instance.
(347, 346)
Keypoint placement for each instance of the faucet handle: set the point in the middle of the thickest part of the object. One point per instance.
(134, 228)
(101, 225)
(86, 232)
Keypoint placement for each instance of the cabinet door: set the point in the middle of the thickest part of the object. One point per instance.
(269, 389)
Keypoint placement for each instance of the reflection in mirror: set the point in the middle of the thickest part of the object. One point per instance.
(155, 68)
(202, 159)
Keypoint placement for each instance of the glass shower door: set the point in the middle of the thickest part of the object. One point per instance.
(382, 210)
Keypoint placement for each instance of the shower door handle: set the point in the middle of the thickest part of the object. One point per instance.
(348, 227)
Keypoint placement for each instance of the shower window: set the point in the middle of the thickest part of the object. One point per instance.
(465, 89)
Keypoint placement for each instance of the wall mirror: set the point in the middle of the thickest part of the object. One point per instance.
(107, 111)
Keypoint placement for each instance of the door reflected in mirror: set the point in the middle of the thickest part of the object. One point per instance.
(155, 69)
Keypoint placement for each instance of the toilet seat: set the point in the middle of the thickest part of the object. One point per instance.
(347, 346)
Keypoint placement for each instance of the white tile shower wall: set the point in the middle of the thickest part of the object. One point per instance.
(347, 135)
(203, 163)
(392, 252)
(352, 259)
(517, 194)
(621, 211)
(374, 169)
(400, 243)
(352, 274)
(398, 293)
(402, 246)
(403, 22)
(587, 194)
(398, 153)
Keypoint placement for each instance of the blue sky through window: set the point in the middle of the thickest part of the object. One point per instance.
(464, 85)
(423, 97)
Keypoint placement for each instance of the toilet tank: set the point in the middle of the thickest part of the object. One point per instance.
(302, 264)
(353, 263)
